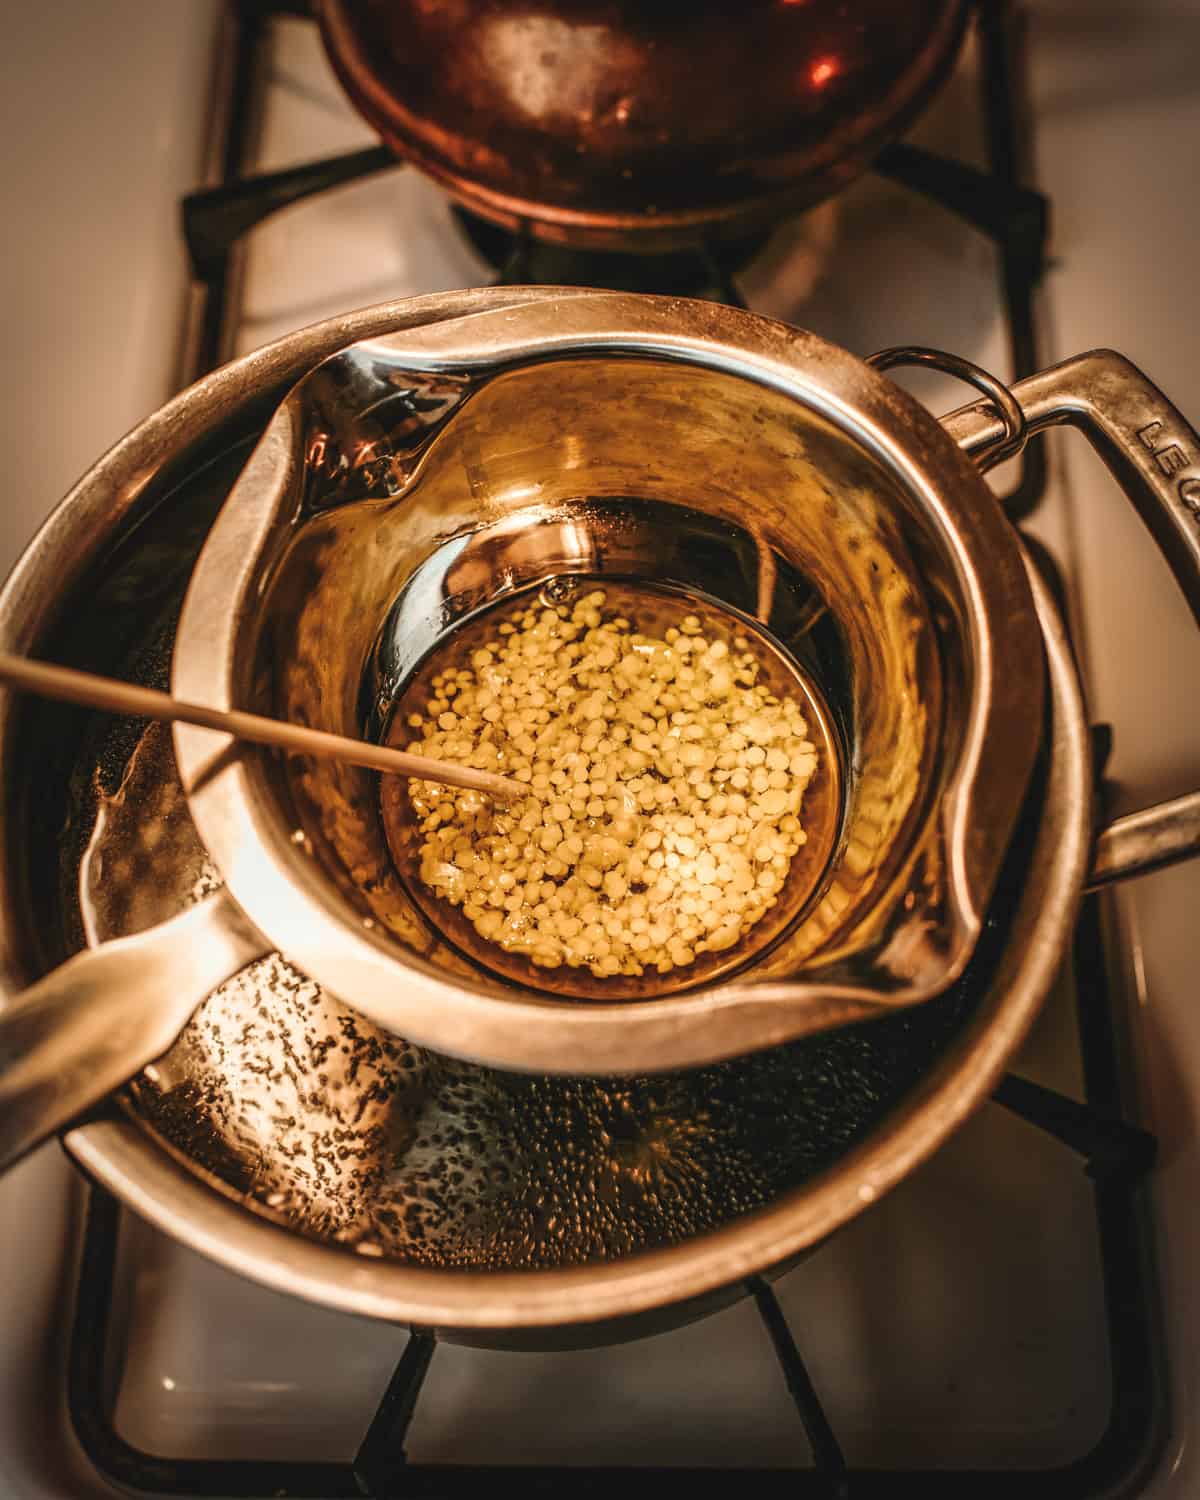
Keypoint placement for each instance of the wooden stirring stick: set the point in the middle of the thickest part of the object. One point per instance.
(51, 681)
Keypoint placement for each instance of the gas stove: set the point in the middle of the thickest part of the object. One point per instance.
(1018, 1315)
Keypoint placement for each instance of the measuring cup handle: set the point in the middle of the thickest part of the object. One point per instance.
(94, 1022)
(1155, 456)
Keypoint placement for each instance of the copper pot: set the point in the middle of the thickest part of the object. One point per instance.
(640, 126)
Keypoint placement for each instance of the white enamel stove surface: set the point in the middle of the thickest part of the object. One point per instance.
(960, 1322)
(109, 106)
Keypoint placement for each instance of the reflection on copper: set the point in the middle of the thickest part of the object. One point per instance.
(516, 48)
(635, 127)
(822, 71)
(767, 572)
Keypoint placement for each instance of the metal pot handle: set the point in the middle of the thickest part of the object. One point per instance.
(1155, 456)
(94, 1022)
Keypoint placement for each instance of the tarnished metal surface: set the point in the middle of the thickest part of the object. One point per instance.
(1150, 447)
(1147, 840)
(613, 125)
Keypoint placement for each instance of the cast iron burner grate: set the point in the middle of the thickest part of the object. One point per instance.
(1116, 1154)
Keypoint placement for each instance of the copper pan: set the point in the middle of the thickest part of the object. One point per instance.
(640, 126)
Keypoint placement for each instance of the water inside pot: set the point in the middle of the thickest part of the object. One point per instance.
(304, 1113)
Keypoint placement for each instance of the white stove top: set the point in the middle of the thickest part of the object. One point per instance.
(959, 1323)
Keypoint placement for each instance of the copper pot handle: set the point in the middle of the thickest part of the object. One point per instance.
(1154, 454)
(93, 1023)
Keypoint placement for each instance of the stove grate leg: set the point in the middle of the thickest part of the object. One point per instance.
(827, 1453)
(381, 1458)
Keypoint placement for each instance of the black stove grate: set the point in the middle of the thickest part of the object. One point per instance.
(1116, 1154)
